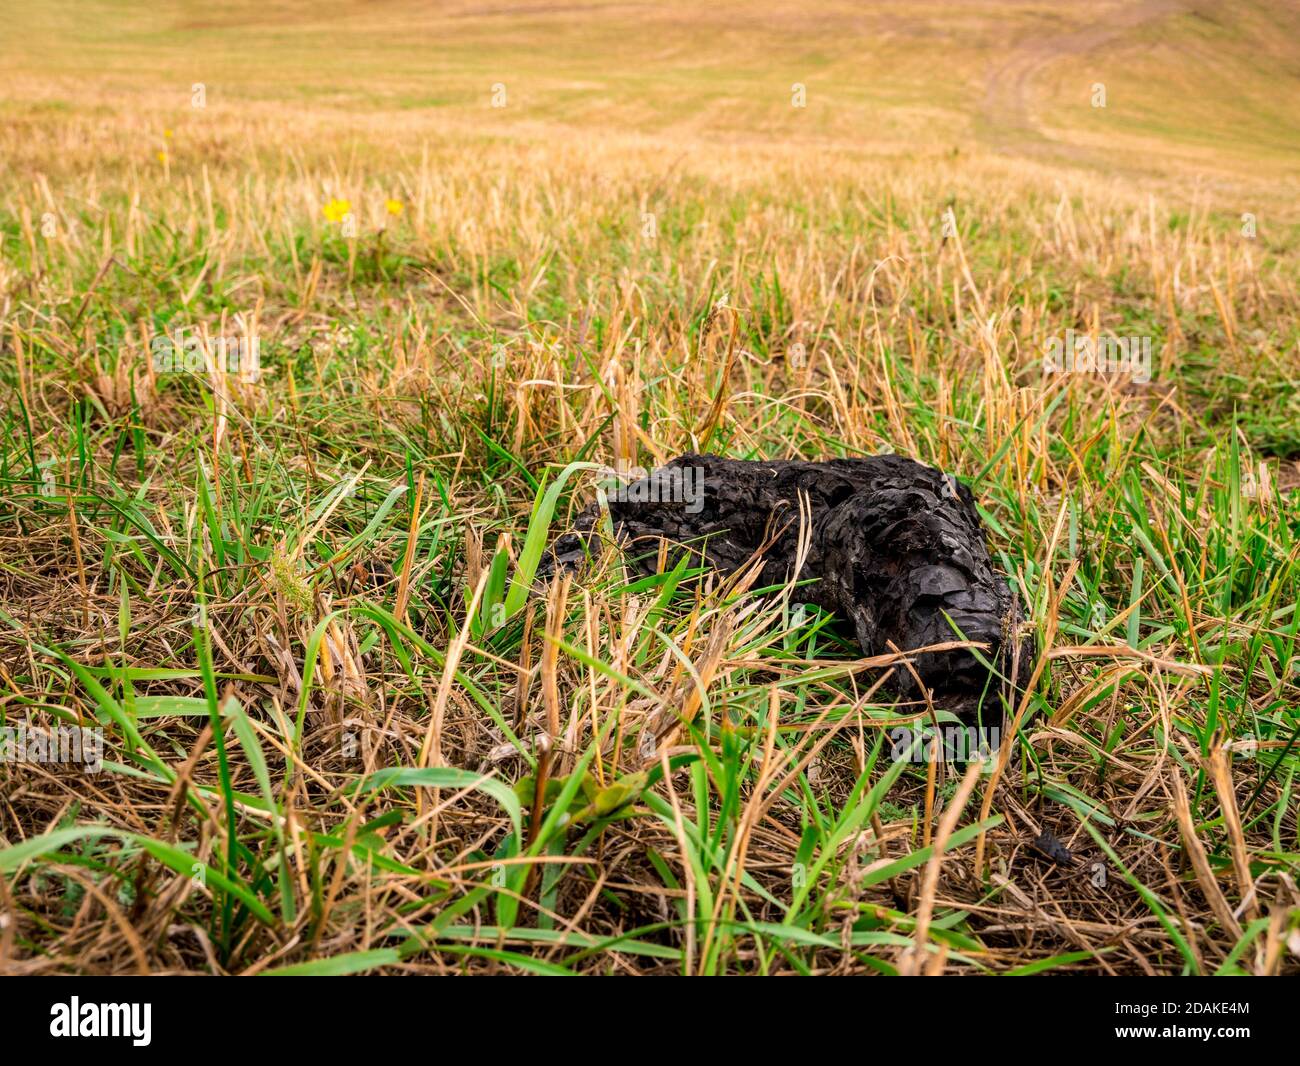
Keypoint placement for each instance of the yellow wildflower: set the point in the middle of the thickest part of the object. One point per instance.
(338, 210)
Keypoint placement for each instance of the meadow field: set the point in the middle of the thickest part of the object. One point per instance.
(316, 320)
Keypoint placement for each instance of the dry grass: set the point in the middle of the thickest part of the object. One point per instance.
(317, 756)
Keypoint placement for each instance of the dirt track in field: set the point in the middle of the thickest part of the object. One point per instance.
(1007, 113)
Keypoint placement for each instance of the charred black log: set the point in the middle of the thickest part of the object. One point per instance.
(897, 549)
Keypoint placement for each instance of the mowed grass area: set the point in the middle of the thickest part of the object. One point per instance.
(342, 731)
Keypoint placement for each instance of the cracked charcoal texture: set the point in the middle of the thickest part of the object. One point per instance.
(897, 548)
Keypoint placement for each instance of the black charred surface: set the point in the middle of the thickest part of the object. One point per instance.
(897, 549)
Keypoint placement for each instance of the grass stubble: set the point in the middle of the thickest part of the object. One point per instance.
(344, 734)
